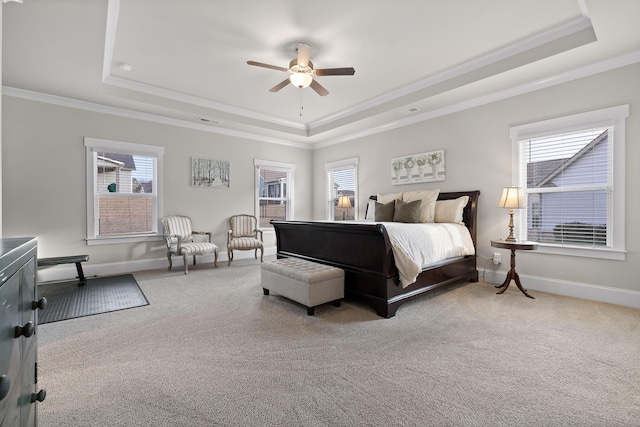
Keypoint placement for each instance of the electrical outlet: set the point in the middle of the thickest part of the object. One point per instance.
(497, 258)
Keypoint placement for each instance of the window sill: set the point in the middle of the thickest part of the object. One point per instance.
(123, 239)
(613, 254)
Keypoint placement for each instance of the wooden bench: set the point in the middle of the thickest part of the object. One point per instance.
(73, 259)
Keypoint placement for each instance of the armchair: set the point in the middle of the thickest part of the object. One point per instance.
(181, 241)
(244, 235)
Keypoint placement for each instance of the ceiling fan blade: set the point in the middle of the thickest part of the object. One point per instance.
(273, 67)
(319, 88)
(304, 50)
(280, 85)
(348, 71)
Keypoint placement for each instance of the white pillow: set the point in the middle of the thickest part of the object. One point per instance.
(428, 205)
(387, 198)
(370, 214)
(451, 210)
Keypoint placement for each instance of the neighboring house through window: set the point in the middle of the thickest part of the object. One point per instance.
(342, 189)
(274, 191)
(123, 188)
(572, 170)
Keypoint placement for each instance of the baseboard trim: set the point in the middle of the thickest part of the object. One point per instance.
(617, 296)
(68, 272)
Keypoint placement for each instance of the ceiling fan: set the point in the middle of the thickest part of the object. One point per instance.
(302, 71)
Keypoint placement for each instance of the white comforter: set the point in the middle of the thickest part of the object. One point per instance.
(418, 245)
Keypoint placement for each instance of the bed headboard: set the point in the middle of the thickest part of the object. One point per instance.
(470, 212)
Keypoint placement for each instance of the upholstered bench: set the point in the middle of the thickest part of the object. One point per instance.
(308, 283)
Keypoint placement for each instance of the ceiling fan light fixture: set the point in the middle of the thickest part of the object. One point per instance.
(301, 80)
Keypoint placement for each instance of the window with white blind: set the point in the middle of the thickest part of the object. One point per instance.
(572, 171)
(342, 190)
(123, 188)
(274, 191)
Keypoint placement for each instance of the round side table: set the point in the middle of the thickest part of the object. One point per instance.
(512, 275)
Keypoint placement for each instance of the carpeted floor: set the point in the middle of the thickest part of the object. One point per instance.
(67, 300)
(212, 350)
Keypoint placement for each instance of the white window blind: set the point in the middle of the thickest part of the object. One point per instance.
(573, 171)
(342, 190)
(569, 183)
(274, 188)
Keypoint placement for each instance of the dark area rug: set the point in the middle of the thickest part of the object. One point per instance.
(67, 300)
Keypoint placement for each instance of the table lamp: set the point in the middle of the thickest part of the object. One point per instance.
(512, 198)
(344, 203)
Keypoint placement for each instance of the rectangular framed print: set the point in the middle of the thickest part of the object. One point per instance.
(423, 167)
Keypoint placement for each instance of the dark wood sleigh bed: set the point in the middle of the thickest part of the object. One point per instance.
(364, 252)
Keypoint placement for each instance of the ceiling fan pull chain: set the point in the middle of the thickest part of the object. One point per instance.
(301, 106)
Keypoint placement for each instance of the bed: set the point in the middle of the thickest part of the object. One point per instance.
(363, 250)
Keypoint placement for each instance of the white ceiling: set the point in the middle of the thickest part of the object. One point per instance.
(188, 58)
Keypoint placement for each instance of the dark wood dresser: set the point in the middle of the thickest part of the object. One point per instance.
(19, 306)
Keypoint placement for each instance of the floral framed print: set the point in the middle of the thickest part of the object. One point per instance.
(423, 167)
(209, 173)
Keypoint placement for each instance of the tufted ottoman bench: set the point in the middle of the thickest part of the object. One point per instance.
(306, 282)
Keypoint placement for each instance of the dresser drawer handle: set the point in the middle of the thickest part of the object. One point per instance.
(39, 396)
(5, 386)
(41, 304)
(27, 330)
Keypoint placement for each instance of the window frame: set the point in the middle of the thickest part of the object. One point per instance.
(613, 117)
(95, 145)
(289, 168)
(329, 168)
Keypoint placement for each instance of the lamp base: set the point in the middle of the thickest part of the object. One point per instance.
(511, 238)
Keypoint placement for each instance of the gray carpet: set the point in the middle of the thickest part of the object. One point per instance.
(212, 350)
(67, 300)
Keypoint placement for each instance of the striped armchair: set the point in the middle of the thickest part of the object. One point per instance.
(181, 241)
(244, 235)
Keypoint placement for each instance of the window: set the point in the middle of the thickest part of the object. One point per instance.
(572, 170)
(123, 189)
(274, 191)
(342, 190)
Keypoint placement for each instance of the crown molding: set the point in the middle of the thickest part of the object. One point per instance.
(499, 58)
(591, 69)
(596, 68)
(569, 28)
(123, 112)
(201, 102)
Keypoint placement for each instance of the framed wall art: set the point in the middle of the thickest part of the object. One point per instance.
(423, 167)
(209, 173)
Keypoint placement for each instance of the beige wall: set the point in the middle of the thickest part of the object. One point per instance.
(45, 190)
(478, 157)
(44, 173)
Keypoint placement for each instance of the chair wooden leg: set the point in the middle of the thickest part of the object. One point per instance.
(186, 264)
(261, 254)
(230, 256)
(215, 258)
(170, 263)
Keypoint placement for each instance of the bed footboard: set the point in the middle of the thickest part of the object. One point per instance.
(364, 252)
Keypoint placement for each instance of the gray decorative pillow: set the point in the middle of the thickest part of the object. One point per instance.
(384, 213)
(407, 212)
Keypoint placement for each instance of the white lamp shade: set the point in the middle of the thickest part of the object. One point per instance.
(301, 80)
(512, 198)
(344, 202)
